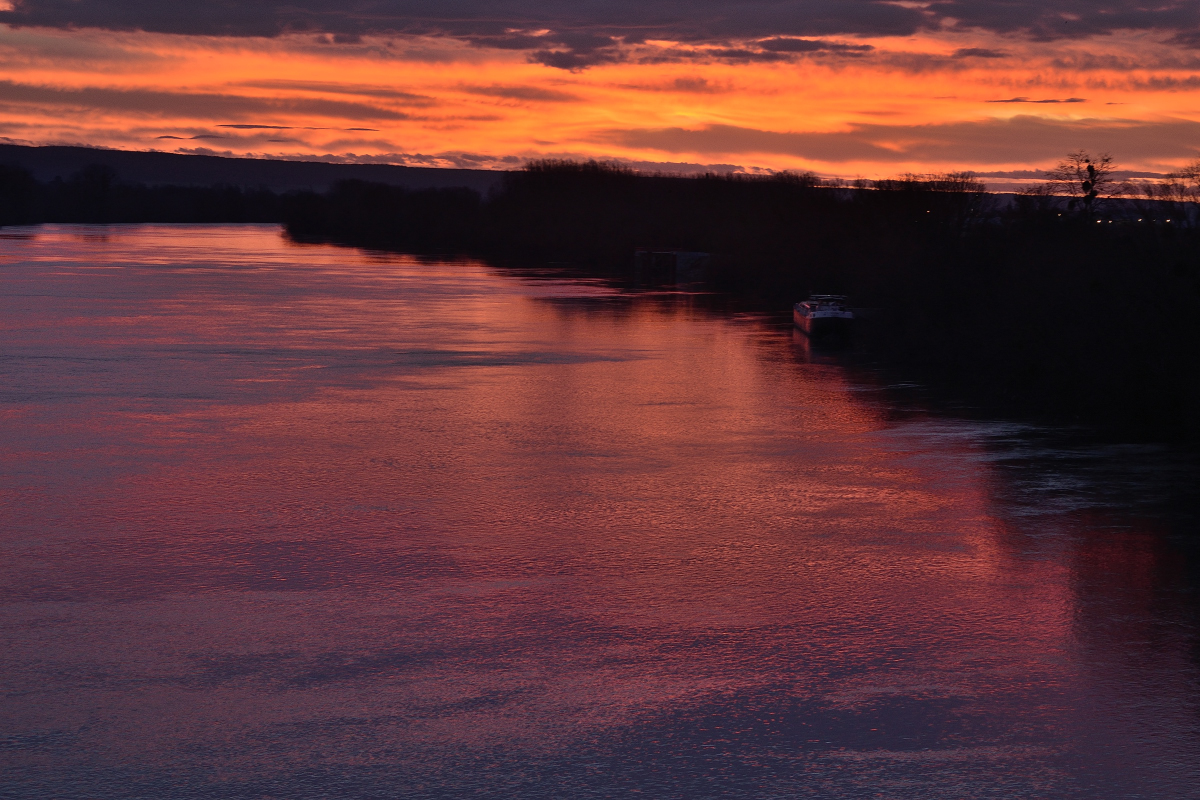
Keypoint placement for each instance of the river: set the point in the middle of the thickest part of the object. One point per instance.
(301, 521)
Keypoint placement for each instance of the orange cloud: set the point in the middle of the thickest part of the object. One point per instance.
(839, 106)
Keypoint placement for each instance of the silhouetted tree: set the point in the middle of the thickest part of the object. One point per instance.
(1084, 179)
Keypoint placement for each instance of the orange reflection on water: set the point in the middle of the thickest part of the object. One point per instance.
(274, 506)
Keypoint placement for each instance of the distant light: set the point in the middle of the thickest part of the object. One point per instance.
(1168, 220)
(1098, 221)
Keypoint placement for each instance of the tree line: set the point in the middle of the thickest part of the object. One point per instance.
(96, 194)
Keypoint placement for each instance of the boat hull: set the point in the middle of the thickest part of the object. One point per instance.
(820, 327)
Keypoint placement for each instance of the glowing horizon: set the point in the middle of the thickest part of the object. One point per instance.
(839, 105)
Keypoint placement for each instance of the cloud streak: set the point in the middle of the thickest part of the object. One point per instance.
(333, 87)
(981, 142)
(528, 93)
(190, 105)
(1028, 100)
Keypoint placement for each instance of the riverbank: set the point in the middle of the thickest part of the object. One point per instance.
(1011, 302)
(1014, 303)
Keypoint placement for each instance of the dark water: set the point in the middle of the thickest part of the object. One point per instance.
(302, 522)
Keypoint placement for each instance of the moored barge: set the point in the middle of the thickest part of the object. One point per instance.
(823, 315)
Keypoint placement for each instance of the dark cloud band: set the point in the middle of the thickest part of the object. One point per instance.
(572, 34)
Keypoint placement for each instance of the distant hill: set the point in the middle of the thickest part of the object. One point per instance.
(161, 169)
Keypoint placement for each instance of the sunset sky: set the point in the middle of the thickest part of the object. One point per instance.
(845, 88)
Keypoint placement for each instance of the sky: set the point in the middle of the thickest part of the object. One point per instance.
(844, 88)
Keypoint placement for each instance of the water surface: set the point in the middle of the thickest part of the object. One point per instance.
(299, 521)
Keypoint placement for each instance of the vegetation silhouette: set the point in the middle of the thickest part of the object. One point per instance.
(1024, 304)
(95, 194)
(1084, 179)
(1028, 304)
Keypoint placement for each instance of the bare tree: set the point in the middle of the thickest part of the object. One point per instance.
(1173, 188)
(1189, 173)
(1174, 197)
(1084, 178)
(1181, 186)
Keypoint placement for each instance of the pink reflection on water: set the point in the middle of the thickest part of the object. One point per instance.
(271, 507)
